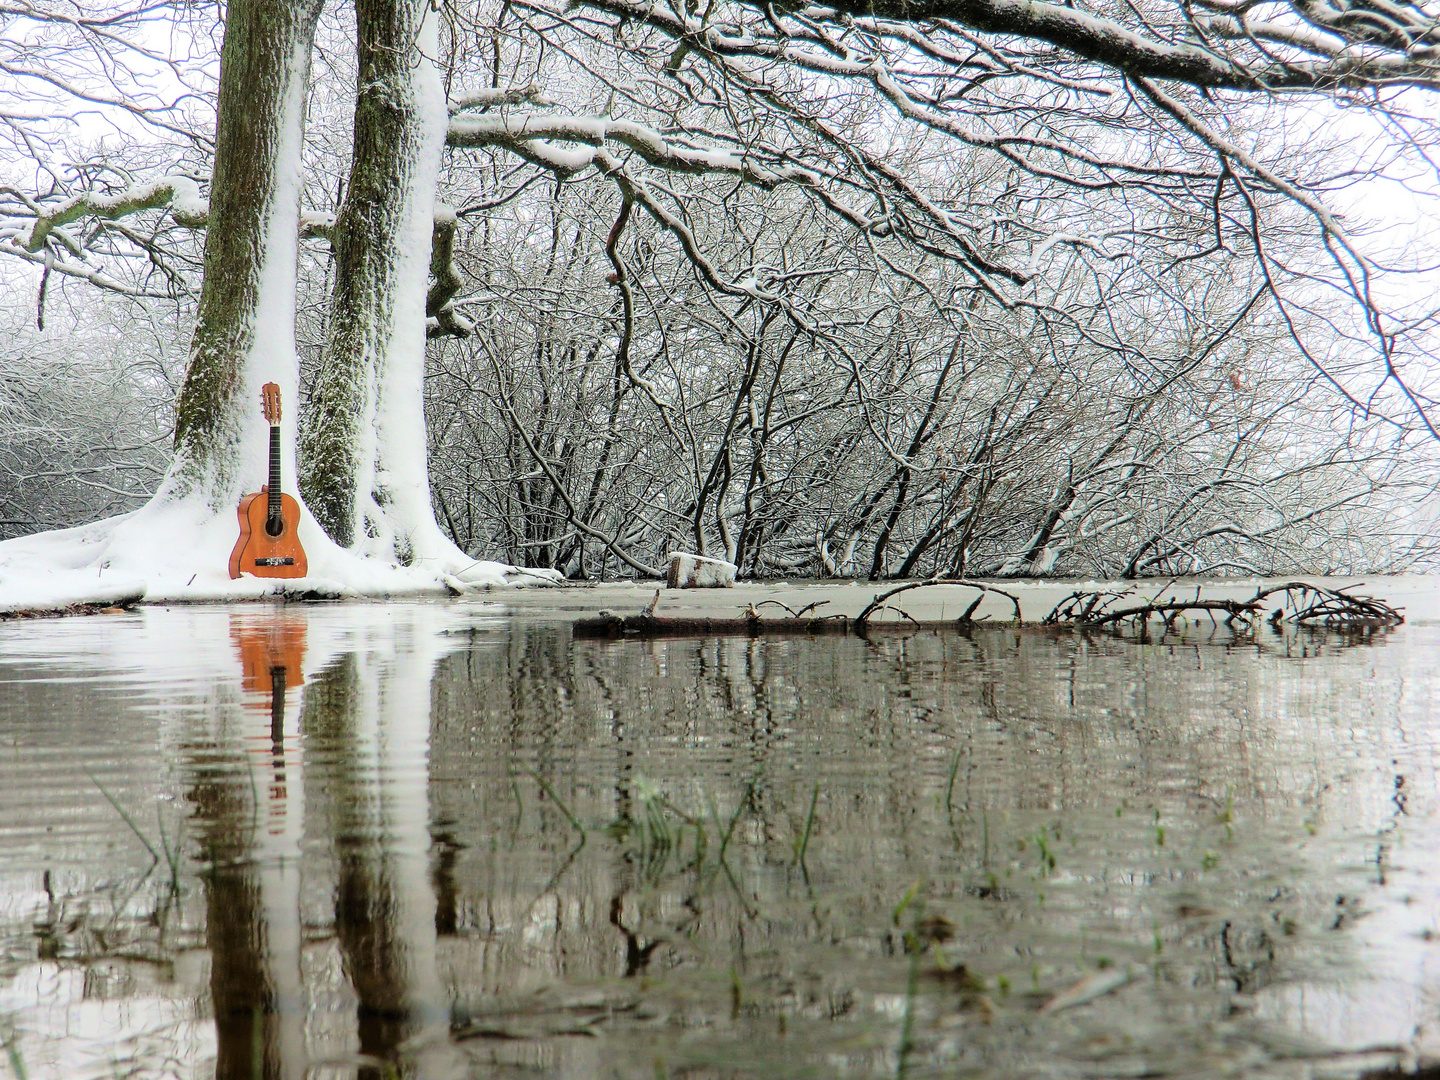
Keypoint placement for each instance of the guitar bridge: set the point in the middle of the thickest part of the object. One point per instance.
(275, 561)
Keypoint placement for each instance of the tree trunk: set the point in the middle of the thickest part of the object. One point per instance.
(363, 433)
(366, 434)
(245, 333)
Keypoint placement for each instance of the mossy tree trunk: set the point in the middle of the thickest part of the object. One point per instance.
(245, 331)
(362, 435)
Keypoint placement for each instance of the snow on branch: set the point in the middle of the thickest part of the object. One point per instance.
(79, 271)
(492, 96)
(530, 135)
(542, 139)
(635, 190)
(180, 193)
(1399, 50)
(316, 224)
(1340, 43)
(441, 318)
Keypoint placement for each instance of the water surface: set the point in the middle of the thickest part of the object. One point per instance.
(434, 840)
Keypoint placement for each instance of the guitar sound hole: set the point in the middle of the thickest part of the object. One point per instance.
(274, 526)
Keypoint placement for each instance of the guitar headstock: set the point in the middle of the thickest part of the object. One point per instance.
(270, 401)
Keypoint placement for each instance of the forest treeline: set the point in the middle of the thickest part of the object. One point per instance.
(1149, 438)
(1057, 342)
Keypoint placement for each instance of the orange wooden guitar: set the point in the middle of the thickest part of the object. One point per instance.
(269, 545)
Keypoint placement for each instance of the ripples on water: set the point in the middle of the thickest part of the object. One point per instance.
(430, 841)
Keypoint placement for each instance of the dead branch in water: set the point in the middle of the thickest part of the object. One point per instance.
(1304, 605)
(1311, 604)
(964, 620)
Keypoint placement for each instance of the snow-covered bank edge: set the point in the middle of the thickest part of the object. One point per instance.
(56, 572)
(51, 592)
(179, 553)
(66, 596)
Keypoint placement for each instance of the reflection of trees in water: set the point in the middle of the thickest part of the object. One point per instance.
(1131, 765)
(366, 922)
(536, 812)
(357, 762)
(242, 994)
(366, 732)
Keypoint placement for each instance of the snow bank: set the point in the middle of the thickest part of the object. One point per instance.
(52, 589)
(181, 551)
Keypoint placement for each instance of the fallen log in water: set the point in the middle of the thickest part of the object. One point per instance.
(609, 625)
(647, 624)
(1300, 604)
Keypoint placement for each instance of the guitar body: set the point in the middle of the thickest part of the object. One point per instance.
(269, 545)
(259, 553)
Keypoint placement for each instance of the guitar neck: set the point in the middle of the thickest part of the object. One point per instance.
(275, 471)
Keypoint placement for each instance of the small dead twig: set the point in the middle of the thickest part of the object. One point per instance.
(791, 611)
(904, 615)
(879, 601)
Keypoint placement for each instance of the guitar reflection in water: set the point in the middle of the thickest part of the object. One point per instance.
(271, 653)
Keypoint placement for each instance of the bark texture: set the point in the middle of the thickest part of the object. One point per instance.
(263, 66)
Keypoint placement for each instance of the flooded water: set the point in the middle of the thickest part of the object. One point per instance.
(431, 840)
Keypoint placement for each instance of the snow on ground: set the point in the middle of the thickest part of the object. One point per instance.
(181, 551)
(177, 546)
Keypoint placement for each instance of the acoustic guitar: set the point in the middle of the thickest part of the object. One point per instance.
(269, 545)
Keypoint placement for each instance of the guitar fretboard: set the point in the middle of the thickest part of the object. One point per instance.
(275, 473)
